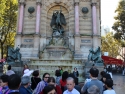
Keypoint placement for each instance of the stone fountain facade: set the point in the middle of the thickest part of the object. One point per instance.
(34, 34)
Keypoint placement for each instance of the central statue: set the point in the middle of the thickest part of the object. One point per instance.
(57, 22)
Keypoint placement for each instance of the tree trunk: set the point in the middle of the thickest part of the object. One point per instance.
(1, 50)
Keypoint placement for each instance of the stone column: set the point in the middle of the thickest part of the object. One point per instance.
(21, 16)
(94, 18)
(38, 16)
(76, 17)
(77, 54)
(94, 26)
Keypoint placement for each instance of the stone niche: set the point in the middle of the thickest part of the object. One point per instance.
(49, 17)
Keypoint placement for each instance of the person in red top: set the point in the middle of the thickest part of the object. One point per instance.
(51, 81)
(63, 80)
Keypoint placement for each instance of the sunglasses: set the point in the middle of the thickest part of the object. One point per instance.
(46, 77)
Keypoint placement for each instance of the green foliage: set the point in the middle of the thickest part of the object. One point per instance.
(118, 35)
(110, 44)
(119, 25)
(8, 19)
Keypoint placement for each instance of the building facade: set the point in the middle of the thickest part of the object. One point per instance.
(41, 50)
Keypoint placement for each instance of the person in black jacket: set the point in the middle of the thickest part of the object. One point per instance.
(35, 79)
(76, 74)
(14, 83)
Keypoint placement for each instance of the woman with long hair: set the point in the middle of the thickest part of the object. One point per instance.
(42, 83)
(63, 80)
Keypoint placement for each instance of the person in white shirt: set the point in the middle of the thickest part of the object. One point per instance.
(70, 83)
(88, 79)
(109, 84)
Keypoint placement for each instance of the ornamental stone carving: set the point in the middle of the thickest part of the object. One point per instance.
(21, 2)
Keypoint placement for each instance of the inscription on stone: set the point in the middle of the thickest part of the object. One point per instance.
(27, 45)
(86, 41)
(28, 40)
(29, 55)
(78, 56)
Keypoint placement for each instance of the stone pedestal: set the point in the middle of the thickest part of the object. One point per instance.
(18, 40)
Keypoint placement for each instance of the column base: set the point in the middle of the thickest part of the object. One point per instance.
(18, 33)
(36, 33)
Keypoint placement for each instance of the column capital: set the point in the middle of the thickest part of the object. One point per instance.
(76, 2)
(22, 2)
(93, 4)
(39, 2)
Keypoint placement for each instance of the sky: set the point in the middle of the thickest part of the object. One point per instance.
(108, 8)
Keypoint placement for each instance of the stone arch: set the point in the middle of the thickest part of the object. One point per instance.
(69, 5)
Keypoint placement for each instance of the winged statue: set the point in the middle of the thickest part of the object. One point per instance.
(57, 23)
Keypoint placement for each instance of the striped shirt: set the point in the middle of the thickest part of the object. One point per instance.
(40, 87)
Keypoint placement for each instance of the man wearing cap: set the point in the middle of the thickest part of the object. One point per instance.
(94, 81)
(27, 72)
(25, 83)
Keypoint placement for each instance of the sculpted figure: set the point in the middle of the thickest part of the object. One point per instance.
(95, 55)
(13, 54)
(57, 22)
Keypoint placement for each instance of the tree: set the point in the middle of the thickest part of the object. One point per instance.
(8, 24)
(110, 45)
(119, 25)
(2, 8)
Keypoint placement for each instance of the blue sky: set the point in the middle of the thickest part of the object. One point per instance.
(107, 12)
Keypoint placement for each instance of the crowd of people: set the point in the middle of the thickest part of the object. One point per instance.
(63, 83)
